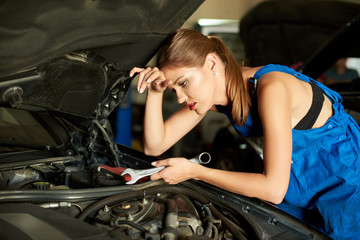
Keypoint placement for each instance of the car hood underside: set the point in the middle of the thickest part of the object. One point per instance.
(73, 57)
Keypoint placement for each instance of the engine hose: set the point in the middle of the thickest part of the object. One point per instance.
(134, 225)
(111, 145)
(209, 223)
(92, 209)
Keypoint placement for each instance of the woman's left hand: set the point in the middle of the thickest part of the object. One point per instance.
(177, 170)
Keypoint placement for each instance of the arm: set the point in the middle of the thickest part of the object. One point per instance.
(275, 114)
(159, 136)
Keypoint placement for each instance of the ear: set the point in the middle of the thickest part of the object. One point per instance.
(211, 62)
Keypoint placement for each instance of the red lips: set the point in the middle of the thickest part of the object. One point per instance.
(191, 106)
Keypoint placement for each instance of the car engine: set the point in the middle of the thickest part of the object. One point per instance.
(132, 211)
(159, 213)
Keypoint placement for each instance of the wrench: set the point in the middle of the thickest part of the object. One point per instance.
(136, 174)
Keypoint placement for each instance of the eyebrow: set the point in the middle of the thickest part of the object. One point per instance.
(178, 79)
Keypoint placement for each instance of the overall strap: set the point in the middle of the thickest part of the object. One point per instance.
(331, 94)
(276, 68)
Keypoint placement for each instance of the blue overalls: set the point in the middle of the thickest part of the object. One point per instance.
(325, 171)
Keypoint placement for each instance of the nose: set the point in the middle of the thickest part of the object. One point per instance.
(181, 97)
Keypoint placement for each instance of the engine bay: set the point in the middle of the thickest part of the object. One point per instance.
(155, 212)
(162, 212)
(151, 212)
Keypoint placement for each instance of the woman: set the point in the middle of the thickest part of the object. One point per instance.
(310, 145)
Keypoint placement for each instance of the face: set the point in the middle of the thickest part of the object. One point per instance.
(194, 86)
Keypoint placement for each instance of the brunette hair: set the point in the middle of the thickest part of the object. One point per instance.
(189, 48)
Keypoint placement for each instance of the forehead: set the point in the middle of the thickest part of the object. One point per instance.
(175, 72)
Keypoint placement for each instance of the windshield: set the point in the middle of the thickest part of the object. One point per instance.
(20, 130)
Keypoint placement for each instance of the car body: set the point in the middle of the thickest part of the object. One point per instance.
(289, 32)
(64, 68)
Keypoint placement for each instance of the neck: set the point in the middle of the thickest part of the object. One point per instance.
(247, 73)
(221, 94)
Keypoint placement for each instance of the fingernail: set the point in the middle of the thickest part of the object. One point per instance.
(141, 90)
(153, 163)
(148, 80)
(131, 74)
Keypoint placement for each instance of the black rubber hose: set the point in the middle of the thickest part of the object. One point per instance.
(209, 223)
(134, 225)
(92, 209)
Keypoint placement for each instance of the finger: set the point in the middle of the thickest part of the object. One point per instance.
(142, 79)
(164, 84)
(156, 85)
(155, 176)
(154, 74)
(160, 85)
(160, 163)
(151, 76)
(135, 70)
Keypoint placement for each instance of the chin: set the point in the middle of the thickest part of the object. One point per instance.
(198, 111)
(201, 111)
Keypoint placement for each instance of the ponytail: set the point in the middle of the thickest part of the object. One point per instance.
(235, 86)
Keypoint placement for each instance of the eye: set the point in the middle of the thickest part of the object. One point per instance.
(184, 83)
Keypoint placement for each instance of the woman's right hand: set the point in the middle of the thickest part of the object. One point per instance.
(151, 78)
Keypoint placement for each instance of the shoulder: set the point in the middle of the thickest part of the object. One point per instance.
(275, 101)
(274, 81)
(276, 89)
(277, 79)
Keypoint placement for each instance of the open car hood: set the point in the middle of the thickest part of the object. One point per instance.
(289, 32)
(73, 57)
(343, 44)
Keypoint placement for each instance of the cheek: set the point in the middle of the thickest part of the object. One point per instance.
(198, 90)
(201, 88)
(204, 91)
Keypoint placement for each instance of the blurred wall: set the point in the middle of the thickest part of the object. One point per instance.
(221, 9)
